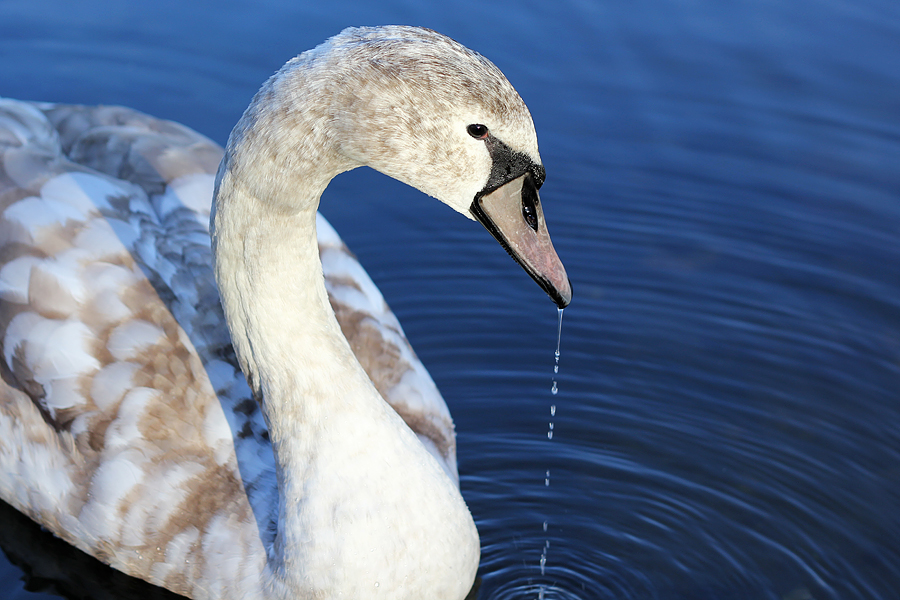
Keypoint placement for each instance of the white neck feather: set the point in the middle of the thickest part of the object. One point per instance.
(362, 503)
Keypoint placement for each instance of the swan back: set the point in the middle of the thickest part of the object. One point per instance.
(122, 407)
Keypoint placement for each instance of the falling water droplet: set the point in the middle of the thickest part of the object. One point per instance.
(555, 389)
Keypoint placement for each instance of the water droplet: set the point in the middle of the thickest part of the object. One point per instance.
(377, 584)
(554, 390)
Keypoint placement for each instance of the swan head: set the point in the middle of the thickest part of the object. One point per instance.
(424, 109)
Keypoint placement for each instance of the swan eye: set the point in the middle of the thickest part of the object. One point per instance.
(479, 132)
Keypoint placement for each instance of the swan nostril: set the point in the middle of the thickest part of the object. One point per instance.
(477, 131)
(529, 204)
(529, 214)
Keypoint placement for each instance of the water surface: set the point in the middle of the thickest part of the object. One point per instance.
(723, 189)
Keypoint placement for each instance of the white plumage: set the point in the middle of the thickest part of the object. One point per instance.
(126, 425)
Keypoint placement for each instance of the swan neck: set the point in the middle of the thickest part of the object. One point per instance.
(283, 327)
(288, 342)
(342, 455)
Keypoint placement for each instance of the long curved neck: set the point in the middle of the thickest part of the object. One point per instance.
(283, 328)
(277, 164)
(358, 493)
(282, 324)
(284, 331)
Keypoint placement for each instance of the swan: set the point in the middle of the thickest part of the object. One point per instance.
(215, 398)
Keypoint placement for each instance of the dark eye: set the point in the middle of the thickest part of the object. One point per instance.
(479, 132)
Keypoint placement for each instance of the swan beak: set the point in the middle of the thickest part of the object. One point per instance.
(513, 215)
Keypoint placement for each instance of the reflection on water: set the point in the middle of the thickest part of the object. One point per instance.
(722, 188)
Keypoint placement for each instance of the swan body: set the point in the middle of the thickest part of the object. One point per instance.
(303, 451)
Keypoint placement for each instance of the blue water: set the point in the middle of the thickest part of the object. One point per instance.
(723, 185)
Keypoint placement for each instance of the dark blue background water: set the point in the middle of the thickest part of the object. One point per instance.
(723, 186)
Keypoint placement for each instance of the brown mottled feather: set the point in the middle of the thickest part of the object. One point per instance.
(183, 424)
